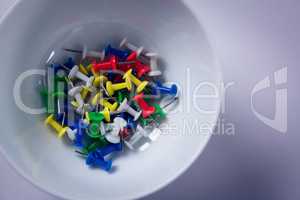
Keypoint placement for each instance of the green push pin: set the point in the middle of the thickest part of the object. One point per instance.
(145, 122)
(94, 130)
(60, 79)
(159, 112)
(44, 95)
(98, 144)
(120, 97)
(95, 117)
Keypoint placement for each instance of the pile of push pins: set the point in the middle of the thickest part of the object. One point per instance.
(107, 100)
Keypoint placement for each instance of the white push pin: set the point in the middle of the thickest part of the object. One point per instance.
(153, 57)
(94, 54)
(75, 93)
(71, 134)
(124, 107)
(86, 53)
(114, 135)
(125, 44)
(76, 73)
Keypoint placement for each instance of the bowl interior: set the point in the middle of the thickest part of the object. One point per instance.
(34, 28)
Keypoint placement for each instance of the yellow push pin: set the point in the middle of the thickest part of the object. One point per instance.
(85, 92)
(83, 70)
(111, 107)
(111, 88)
(95, 74)
(98, 99)
(75, 104)
(54, 124)
(106, 114)
(140, 84)
(100, 80)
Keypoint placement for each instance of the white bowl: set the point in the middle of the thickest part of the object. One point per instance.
(32, 28)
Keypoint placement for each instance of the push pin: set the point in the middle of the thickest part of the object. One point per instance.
(106, 66)
(114, 135)
(116, 52)
(140, 68)
(140, 84)
(141, 139)
(69, 64)
(57, 127)
(96, 145)
(125, 44)
(83, 70)
(76, 73)
(106, 114)
(85, 53)
(80, 126)
(94, 159)
(111, 65)
(75, 93)
(98, 99)
(173, 90)
(71, 133)
(111, 107)
(85, 92)
(151, 134)
(100, 80)
(111, 88)
(124, 107)
(146, 109)
(153, 57)
(94, 130)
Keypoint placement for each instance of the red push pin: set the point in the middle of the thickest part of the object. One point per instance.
(131, 58)
(124, 133)
(146, 109)
(141, 69)
(110, 65)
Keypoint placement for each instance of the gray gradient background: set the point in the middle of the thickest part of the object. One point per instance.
(252, 38)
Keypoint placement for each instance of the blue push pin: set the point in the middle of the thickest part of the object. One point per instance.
(131, 124)
(110, 149)
(94, 159)
(69, 63)
(80, 126)
(165, 90)
(116, 52)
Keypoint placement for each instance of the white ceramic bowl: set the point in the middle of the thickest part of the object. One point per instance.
(32, 28)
